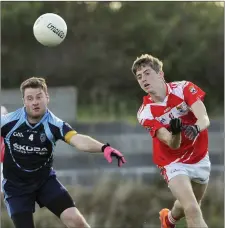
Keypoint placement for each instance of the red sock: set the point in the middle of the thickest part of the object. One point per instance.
(169, 223)
(170, 220)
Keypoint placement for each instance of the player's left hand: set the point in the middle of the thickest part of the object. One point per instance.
(191, 131)
(175, 125)
(110, 152)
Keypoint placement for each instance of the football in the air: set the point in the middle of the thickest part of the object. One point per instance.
(50, 29)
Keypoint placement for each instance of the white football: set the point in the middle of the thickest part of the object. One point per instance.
(50, 29)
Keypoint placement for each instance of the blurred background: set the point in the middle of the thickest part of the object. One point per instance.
(91, 87)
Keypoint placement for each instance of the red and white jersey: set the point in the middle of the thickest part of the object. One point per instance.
(177, 104)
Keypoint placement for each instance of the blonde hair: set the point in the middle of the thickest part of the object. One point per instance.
(33, 82)
(147, 59)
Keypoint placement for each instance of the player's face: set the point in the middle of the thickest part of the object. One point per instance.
(148, 79)
(35, 101)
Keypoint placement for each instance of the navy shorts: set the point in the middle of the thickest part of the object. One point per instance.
(24, 201)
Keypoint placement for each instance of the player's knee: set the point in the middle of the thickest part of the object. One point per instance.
(72, 218)
(192, 209)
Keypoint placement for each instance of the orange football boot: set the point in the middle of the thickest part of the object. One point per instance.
(162, 216)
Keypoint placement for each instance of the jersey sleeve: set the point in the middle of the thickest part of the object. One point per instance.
(8, 121)
(67, 132)
(192, 93)
(61, 130)
(152, 126)
(147, 120)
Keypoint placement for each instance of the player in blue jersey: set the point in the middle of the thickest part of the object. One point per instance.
(30, 134)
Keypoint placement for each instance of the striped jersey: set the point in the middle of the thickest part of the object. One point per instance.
(177, 104)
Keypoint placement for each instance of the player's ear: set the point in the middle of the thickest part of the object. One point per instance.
(161, 73)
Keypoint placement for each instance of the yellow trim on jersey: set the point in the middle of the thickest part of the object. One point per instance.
(69, 135)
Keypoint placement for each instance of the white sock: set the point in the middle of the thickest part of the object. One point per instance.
(171, 219)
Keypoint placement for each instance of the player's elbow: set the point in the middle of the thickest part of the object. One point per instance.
(205, 122)
(174, 146)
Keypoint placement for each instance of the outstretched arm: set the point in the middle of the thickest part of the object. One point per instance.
(88, 144)
(84, 142)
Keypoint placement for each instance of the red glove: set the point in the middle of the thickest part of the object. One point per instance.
(110, 152)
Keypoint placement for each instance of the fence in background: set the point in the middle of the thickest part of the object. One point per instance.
(85, 168)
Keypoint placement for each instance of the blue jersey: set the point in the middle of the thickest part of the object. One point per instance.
(29, 148)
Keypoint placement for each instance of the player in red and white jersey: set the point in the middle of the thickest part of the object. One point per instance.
(176, 118)
(180, 95)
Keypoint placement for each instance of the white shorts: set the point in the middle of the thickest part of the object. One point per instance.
(198, 172)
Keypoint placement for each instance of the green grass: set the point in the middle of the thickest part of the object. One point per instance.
(121, 203)
(181, 224)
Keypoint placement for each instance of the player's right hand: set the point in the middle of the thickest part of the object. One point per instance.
(110, 152)
(191, 131)
(175, 126)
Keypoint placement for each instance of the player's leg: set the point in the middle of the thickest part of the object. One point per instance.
(182, 190)
(57, 199)
(63, 207)
(72, 218)
(20, 207)
(23, 219)
(167, 219)
(177, 211)
(198, 172)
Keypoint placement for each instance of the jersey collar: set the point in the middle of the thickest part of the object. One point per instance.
(38, 123)
(147, 99)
